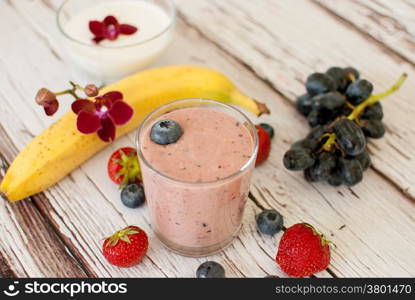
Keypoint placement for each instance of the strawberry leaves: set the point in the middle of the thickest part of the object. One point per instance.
(121, 235)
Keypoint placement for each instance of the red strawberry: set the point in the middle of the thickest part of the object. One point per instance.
(264, 145)
(303, 251)
(123, 167)
(126, 247)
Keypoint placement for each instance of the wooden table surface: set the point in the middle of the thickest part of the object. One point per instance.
(267, 47)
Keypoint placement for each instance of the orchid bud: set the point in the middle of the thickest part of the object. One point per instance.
(91, 90)
(44, 96)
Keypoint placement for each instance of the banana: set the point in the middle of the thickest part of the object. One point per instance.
(61, 148)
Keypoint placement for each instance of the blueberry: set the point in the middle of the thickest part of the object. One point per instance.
(165, 132)
(268, 128)
(319, 83)
(271, 276)
(210, 269)
(132, 195)
(269, 221)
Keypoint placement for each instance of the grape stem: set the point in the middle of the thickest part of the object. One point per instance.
(358, 110)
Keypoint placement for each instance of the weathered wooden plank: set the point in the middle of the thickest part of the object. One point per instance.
(389, 22)
(85, 206)
(284, 41)
(28, 244)
(74, 210)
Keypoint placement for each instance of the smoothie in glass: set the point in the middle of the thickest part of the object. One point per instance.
(197, 187)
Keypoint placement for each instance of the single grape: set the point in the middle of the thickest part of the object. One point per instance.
(364, 159)
(372, 128)
(298, 159)
(310, 176)
(331, 101)
(339, 77)
(319, 83)
(325, 163)
(304, 104)
(351, 171)
(351, 71)
(349, 137)
(313, 118)
(335, 178)
(310, 144)
(358, 91)
(351, 74)
(320, 117)
(316, 132)
(373, 112)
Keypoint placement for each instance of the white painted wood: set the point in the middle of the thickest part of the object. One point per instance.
(85, 214)
(85, 206)
(285, 41)
(29, 246)
(389, 22)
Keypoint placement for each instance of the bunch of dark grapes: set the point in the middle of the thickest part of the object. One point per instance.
(335, 149)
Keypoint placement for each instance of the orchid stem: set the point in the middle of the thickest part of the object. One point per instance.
(71, 91)
(63, 92)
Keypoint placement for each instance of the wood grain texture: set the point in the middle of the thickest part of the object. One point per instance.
(85, 206)
(29, 246)
(85, 214)
(292, 39)
(390, 22)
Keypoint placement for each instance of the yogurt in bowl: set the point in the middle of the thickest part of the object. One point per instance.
(112, 59)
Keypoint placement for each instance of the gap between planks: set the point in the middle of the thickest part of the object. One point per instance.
(260, 206)
(379, 22)
(244, 64)
(5, 268)
(249, 68)
(251, 44)
(41, 202)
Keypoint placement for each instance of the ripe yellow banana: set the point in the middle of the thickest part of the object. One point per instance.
(61, 148)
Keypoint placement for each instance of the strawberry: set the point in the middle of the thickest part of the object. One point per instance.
(303, 251)
(126, 247)
(123, 167)
(264, 145)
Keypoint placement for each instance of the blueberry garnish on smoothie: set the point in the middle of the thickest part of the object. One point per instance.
(165, 132)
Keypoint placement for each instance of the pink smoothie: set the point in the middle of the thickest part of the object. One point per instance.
(196, 203)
